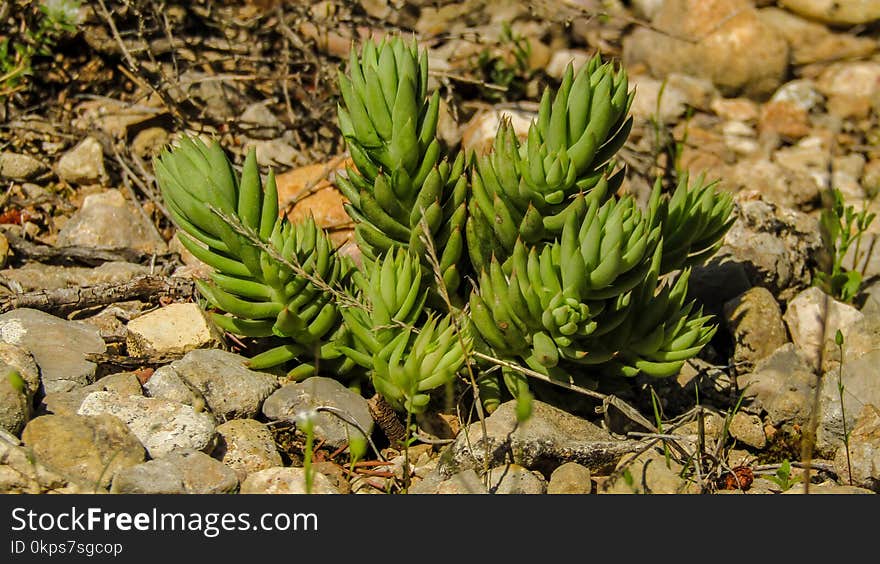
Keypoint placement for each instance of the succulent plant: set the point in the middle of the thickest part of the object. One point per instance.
(409, 353)
(527, 189)
(271, 277)
(401, 177)
(570, 279)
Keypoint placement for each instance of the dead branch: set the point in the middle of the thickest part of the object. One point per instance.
(67, 300)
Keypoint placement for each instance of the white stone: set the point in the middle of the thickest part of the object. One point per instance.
(173, 329)
(161, 426)
(806, 320)
(84, 164)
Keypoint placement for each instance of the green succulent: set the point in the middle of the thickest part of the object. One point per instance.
(406, 357)
(392, 293)
(698, 216)
(588, 304)
(271, 278)
(527, 189)
(401, 178)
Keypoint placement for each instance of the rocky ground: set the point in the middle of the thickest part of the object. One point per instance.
(126, 387)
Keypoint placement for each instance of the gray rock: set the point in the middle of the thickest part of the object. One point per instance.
(173, 329)
(748, 429)
(21, 473)
(570, 478)
(111, 320)
(782, 385)
(514, 479)
(162, 426)
(14, 166)
(754, 320)
(166, 384)
(88, 450)
(246, 446)
(864, 452)
(229, 389)
(547, 439)
(813, 317)
(83, 164)
(68, 403)
(299, 398)
(777, 247)
(109, 221)
(59, 347)
(782, 186)
(36, 276)
(184, 472)
(285, 481)
(740, 55)
(859, 379)
(14, 400)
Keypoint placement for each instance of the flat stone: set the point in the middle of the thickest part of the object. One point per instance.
(478, 134)
(36, 276)
(108, 220)
(291, 400)
(58, 346)
(184, 472)
(88, 450)
(162, 426)
(285, 481)
(548, 438)
(173, 329)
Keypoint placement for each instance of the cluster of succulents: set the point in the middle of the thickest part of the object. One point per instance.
(538, 259)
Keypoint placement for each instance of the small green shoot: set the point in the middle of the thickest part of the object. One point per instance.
(783, 477)
(838, 340)
(842, 227)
